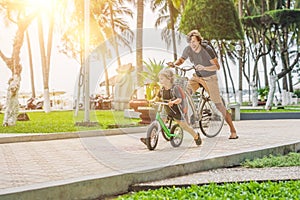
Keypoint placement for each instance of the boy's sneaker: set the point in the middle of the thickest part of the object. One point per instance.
(198, 140)
(143, 140)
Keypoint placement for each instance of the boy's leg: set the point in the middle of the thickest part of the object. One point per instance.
(191, 131)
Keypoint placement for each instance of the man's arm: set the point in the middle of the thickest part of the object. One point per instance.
(213, 67)
(178, 62)
(215, 62)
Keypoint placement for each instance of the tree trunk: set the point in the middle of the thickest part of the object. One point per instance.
(171, 8)
(264, 58)
(12, 102)
(254, 94)
(13, 63)
(139, 48)
(106, 75)
(240, 92)
(115, 44)
(231, 79)
(273, 79)
(33, 95)
(44, 66)
(225, 74)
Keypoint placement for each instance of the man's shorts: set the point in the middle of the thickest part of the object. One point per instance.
(210, 85)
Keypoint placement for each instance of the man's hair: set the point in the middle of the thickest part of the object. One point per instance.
(194, 33)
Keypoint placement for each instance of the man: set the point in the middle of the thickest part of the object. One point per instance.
(206, 66)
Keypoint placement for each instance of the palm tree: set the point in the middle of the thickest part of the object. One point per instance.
(22, 15)
(103, 15)
(117, 33)
(115, 11)
(54, 16)
(110, 18)
(169, 11)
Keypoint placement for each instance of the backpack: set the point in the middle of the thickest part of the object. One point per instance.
(183, 104)
(206, 43)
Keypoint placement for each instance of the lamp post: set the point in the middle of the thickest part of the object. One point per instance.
(86, 66)
(86, 61)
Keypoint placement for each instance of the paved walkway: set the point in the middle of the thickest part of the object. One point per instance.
(89, 165)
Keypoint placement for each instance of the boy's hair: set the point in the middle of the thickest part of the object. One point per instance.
(168, 73)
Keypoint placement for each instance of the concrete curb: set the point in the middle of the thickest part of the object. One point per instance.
(114, 184)
(269, 116)
(12, 138)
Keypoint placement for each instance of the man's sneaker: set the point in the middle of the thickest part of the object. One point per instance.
(198, 140)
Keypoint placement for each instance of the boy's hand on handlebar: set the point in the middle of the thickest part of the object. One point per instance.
(152, 101)
(171, 103)
(171, 64)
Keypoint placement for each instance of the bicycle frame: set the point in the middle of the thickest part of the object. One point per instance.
(201, 97)
(197, 104)
(162, 125)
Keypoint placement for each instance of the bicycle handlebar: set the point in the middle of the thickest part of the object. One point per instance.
(161, 103)
(183, 69)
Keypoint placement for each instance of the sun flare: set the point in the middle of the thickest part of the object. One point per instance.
(40, 4)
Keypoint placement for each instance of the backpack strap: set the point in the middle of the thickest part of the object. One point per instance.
(209, 48)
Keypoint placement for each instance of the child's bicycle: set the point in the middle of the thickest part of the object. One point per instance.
(170, 132)
(205, 115)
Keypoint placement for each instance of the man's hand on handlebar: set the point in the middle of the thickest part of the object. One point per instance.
(199, 67)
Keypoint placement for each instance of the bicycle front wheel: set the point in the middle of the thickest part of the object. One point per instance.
(152, 136)
(211, 120)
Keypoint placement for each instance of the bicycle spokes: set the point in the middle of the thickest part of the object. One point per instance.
(212, 120)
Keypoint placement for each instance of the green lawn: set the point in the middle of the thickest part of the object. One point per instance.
(232, 191)
(292, 159)
(229, 191)
(295, 108)
(64, 121)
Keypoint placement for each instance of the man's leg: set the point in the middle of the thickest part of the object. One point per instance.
(228, 120)
(214, 92)
(193, 84)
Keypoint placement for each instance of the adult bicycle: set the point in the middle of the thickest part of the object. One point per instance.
(205, 115)
(164, 125)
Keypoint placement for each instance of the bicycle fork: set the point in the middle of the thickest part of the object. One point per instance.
(163, 127)
(194, 109)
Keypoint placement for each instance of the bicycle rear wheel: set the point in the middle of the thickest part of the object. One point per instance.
(177, 139)
(211, 120)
